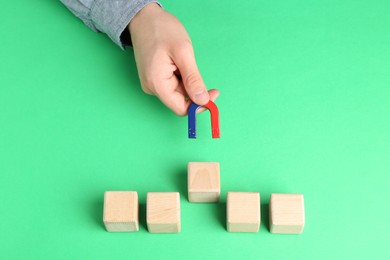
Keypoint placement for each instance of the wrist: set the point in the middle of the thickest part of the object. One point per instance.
(143, 15)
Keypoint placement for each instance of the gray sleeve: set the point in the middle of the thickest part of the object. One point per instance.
(107, 16)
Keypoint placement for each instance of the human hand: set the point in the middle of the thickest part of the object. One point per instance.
(165, 60)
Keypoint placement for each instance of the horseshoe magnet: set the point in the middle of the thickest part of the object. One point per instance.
(214, 119)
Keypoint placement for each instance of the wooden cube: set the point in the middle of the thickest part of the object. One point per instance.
(287, 213)
(203, 182)
(243, 211)
(163, 212)
(120, 212)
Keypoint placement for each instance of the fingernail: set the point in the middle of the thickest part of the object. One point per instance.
(201, 97)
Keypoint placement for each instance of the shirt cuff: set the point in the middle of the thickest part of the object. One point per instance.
(113, 17)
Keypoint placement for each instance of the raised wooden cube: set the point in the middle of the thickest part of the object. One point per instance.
(163, 212)
(120, 212)
(203, 182)
(243, 211)
(287, 213)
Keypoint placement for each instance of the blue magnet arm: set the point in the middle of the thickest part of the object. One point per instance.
(192, 120)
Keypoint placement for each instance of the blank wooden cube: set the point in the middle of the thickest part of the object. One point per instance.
(203, 182)
(121, 211)
(287, 213)
(163, 212)
(243, 211)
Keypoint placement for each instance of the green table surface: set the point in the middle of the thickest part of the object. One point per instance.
(304, 108)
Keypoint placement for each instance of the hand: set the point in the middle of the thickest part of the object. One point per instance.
(165, 60)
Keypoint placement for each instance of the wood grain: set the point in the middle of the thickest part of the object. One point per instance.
(203, 182)
(287, 213)
(120, 212)
(243, 211)
(163, 212)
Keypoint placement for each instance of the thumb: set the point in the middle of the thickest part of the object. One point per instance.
(192, 80)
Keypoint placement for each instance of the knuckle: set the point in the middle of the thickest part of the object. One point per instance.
(147, 90)
(184, 46)
(178, 109)
(180, 112)
(193, 80)
(147, 83)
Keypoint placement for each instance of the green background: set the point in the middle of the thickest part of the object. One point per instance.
(304, 108)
